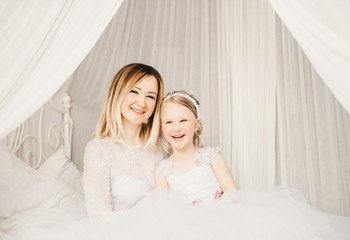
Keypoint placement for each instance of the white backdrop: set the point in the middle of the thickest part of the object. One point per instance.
(262, 102)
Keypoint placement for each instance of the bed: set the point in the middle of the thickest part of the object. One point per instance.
(33, 187)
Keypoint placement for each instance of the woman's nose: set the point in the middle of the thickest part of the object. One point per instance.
(141, 101)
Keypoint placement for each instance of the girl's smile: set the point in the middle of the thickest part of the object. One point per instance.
(178, 125)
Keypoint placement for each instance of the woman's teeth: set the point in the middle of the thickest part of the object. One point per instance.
(138, 111)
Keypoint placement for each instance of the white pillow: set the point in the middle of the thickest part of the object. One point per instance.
(23, 188)
(59, 166)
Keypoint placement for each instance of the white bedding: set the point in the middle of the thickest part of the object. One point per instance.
(31, 197)
(48, 205)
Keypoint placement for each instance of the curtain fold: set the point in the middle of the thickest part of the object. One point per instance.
(321, 28)
(42, 43)
(247, 90)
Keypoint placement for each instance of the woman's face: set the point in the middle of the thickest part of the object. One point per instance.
(139, 103)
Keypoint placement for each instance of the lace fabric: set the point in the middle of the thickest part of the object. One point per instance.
(199, 183)
(116, 176)
(203, 156)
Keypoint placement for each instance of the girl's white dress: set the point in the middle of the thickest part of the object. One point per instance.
(188, 210)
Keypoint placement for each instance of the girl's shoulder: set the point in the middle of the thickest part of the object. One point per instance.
(205, 155)
(165, 166)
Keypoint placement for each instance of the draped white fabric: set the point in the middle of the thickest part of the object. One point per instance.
(261, 101)
(42, 43)
(247, 101)
(312, 131)
(322, 29)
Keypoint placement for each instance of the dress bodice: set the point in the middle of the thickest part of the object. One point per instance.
(200, 182)
(126, 191)
(116, 176)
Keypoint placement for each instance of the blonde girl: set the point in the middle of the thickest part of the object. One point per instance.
(199, 172)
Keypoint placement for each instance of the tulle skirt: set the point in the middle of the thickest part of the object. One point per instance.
(273, 213)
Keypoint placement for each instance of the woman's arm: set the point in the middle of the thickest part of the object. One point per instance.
(223, 173)
(97, 181)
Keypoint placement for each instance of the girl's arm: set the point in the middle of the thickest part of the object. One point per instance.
(160, 181)
(223, 173)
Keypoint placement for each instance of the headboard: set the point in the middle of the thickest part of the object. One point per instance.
(58, 134)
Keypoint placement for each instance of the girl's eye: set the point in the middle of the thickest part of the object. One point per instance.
(151, 97)
(183, 120)
(134, 91)
(168, 122)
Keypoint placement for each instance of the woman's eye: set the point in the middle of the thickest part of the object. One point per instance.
(134, 91)
(151, 97)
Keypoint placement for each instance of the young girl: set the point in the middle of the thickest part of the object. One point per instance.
(199, 172)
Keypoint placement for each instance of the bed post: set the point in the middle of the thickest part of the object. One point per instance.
(67, 125)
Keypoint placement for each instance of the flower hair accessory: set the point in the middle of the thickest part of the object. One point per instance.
(187, 97)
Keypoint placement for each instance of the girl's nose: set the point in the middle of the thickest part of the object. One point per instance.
(177, 127)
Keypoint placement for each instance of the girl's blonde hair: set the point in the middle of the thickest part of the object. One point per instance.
(110, 122)
(172, 97)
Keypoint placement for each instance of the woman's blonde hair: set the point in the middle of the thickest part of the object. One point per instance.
(178, 98)
(110, 122)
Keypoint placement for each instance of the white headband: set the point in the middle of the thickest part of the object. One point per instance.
(188, 97)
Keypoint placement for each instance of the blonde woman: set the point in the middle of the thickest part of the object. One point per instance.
(119, 162)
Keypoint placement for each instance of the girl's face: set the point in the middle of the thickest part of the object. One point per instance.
(178, 125)
(139, 103)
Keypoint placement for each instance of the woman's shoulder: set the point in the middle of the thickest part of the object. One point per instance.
(98, 144)
(96, 152)
(205, 155)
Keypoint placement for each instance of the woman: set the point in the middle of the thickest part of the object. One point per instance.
(119, 162)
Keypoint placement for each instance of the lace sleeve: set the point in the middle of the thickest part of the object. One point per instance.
(97, 181)
(207, 154)
(165, 167)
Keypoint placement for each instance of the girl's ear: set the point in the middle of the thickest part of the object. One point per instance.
(196, 125)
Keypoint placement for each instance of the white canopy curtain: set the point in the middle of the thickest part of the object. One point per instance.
(312, 130)
(322, 29)
(42, 43)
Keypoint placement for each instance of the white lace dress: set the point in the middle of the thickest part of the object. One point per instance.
(116, 176)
